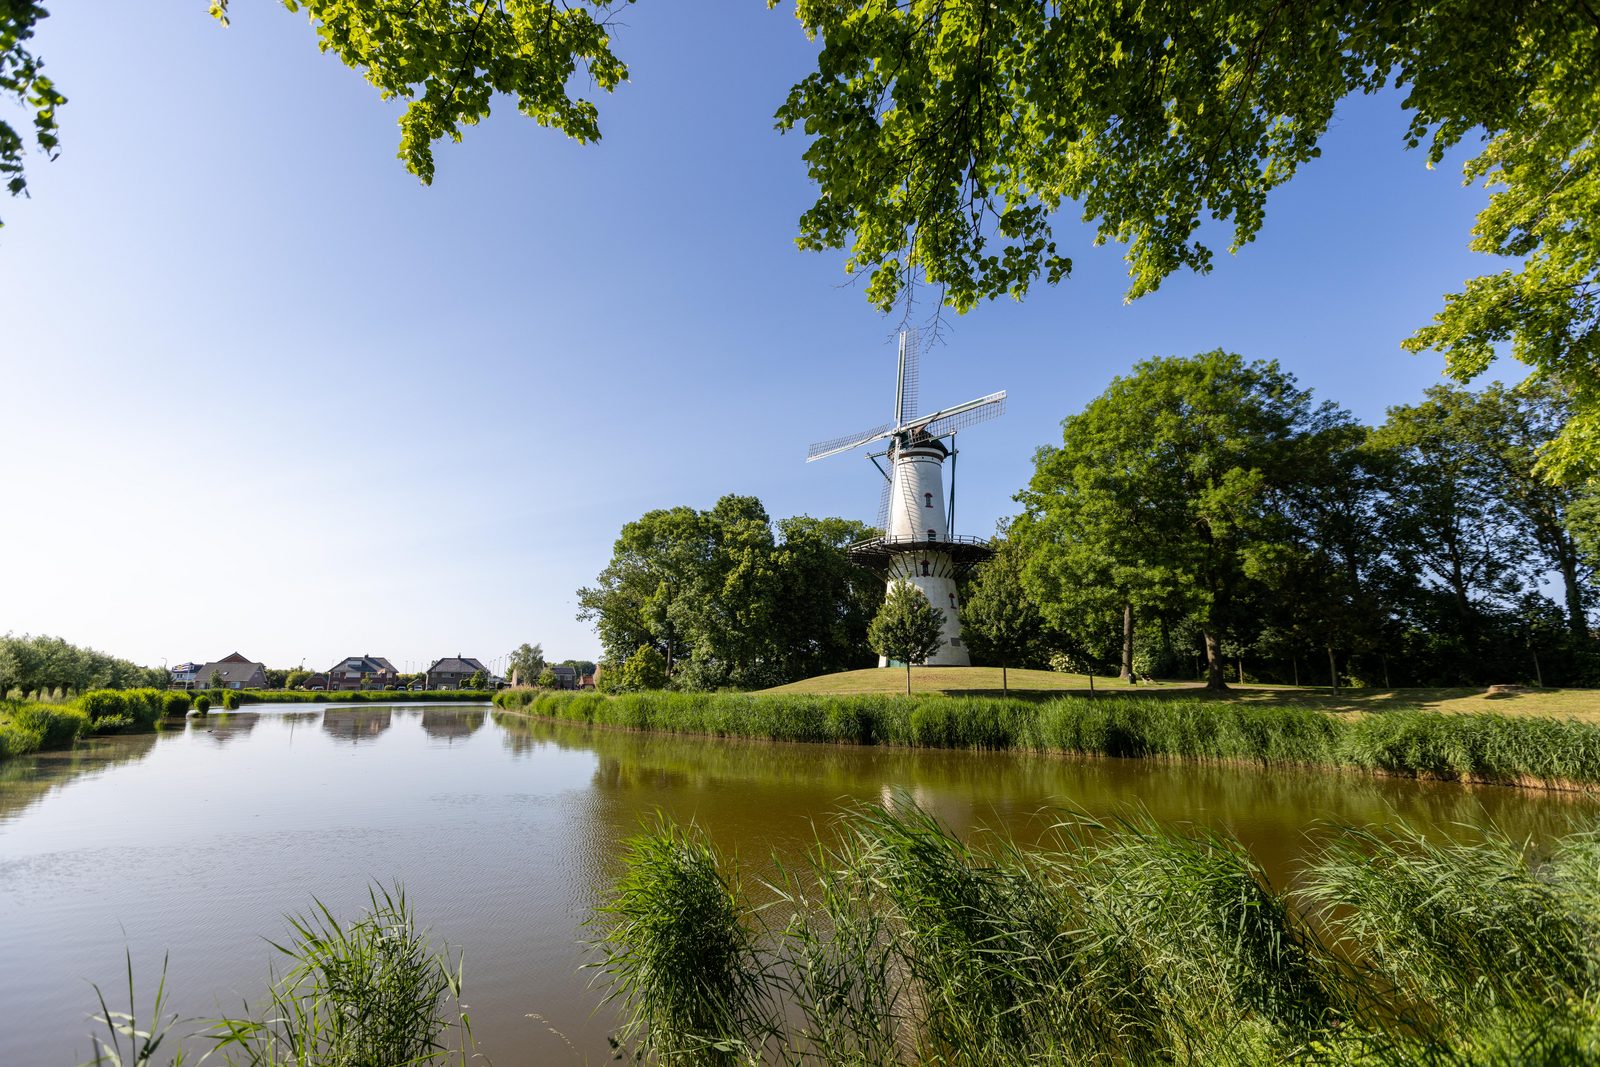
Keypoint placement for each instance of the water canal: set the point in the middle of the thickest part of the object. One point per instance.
(195, 842)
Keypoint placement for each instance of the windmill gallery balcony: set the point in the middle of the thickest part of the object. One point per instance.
(877, 552)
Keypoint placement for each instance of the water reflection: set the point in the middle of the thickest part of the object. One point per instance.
(193, 841)
(226, 726)
(357, 724)
(1277, 813)
(449, 723)
(26, 780)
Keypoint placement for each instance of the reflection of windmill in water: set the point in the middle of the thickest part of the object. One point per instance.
(918, 544)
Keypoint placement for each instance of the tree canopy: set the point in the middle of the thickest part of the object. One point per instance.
(727, 597)
(944, 138)
(1234, 516)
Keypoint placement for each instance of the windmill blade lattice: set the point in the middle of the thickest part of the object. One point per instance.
(982, 410)
(910, 378)
(823, 449)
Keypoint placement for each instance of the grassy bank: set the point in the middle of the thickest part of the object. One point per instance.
(1482, 747)
(1581, 704)
(1131, 943)
(236, 698)
(33, 726)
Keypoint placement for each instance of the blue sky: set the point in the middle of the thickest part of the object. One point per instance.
(265, 392)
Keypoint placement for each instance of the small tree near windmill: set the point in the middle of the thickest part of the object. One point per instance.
(998, 619)
(907, 628)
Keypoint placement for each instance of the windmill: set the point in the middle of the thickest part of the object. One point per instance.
(918, 544)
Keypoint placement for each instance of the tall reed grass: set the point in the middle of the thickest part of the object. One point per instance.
(1479, 748)
(897, 943)
(371, 992)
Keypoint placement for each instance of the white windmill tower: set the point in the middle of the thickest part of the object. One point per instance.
(918, 544)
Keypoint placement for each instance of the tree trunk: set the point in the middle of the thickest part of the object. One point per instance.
(908, 677)
(1091, 683)
(1005, 690)
(1333, 669)
(1241, 670)
(1577, 620)
(1214, 678)
(1127, 642)
(1294, 662)
(1538, 675)
(1385, 657)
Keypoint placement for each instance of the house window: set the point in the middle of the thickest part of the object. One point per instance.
(927, 500)
(925, 572)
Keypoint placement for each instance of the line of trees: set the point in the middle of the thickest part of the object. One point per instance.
(44, 664)
(728, 598)
(1206, 513)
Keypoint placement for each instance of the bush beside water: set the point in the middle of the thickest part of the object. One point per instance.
(1479, 748)
(1128, 943)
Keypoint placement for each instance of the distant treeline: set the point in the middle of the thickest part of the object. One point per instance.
(1480, 748)
(45, 664)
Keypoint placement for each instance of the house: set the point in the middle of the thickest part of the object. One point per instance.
(362, 672)
(232, 672)
(452, 672)
(586, 681)
(183, 676)
(566, 677)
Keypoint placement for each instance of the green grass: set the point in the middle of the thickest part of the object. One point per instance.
(1582, 704)
(1482, 747)
(897, 943)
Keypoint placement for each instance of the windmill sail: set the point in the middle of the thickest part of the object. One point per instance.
(824, 449)
(959, 417)
(908, 382)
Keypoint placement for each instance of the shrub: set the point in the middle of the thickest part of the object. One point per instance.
(32, 727)
(202, 703)
(175, 703)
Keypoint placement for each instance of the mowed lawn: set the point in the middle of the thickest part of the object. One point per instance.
(985, 681)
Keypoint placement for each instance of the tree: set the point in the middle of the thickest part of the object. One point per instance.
(942, 138)
(478, 680)
(546, 679)
(1446, 518)
(999, 620)
(731, 599)
(645, 669)
(907, 627)
(1163, 493)
(215, 681)
(1521, 424)
(525, 663)
(295, 679)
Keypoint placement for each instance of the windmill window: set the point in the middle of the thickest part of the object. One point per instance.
(952, 600)
(927, 500)
(930, 535)
(925, 572)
